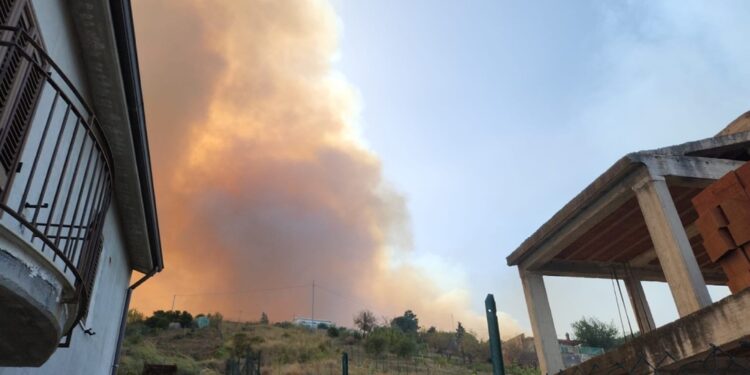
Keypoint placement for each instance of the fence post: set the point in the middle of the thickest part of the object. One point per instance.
(345, 363)
(496, 350)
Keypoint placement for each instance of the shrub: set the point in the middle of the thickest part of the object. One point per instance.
(404, 346)
(332, 331)
(284, 324)
(241, 345)
(376, 344)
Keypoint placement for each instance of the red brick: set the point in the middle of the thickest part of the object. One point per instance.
(717, 243)
(737, 268)
(711, 220)
(728, 187)
(705, 200)
(743, 174)
(737, 213)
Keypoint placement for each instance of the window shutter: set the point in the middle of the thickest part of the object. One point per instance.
(20, 81)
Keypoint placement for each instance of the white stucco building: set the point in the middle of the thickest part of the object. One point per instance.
(77, 209)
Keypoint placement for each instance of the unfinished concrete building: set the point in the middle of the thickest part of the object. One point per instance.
(636, 221)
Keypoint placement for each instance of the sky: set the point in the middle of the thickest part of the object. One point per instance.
(397, 151)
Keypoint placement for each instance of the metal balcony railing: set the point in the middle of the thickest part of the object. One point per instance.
(55, 164)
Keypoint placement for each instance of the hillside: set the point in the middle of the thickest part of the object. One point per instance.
(287, 349)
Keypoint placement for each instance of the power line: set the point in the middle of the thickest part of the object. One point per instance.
(174, 297)
(244, 291)
(344, 296)
(314, 285)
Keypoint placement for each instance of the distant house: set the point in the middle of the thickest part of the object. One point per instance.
(312, 323)
(77, 208)
(202, 321)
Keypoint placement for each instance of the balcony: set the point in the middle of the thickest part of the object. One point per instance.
(55, 188)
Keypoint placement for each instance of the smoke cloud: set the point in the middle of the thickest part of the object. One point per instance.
(262, 184)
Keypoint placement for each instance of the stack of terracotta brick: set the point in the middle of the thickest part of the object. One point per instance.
(724, 223)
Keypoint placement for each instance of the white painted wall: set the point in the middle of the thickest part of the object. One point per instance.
(60, 40)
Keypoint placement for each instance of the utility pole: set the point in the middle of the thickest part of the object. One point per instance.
(312, 311)
(174, 297)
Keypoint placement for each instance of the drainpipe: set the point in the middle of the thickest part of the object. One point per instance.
(124, 320)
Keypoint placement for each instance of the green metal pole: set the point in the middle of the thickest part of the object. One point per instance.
(496, 349)
(345, 363)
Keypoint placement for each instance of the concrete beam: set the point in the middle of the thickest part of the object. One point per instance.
(540, 315)
(603, 270)
(672, 246)
(690, 167)
(639, 303)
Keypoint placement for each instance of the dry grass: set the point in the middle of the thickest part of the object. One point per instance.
(285, 351)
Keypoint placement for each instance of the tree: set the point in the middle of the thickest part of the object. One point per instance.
(444, 343)
(407, 323)
(263, 318)
(460, 332)
(185, 319)
(595, 333)
(134, 316)
(365, 321)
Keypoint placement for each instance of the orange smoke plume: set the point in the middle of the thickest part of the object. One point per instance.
(262, 184)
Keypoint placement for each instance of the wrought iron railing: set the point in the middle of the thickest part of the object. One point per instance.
(55, 164)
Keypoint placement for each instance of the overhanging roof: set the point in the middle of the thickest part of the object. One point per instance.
(613, 185)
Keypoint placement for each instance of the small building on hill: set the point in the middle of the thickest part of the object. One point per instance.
(311, 323)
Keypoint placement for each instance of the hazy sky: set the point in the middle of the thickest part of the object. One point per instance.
(488, 116)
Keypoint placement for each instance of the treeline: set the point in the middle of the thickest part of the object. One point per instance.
(404, 337)
(161, 319)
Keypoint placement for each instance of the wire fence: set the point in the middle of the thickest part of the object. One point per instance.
(715, 362)
(363, 363)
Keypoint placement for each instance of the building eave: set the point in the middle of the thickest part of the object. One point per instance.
(105, 32)
(128, 53)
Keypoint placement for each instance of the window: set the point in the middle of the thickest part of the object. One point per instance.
(20, 80)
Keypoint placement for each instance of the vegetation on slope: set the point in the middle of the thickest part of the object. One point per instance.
(399, 347)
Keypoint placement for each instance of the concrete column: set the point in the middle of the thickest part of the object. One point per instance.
(640, 304)
(672, 246)
(540, 314)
